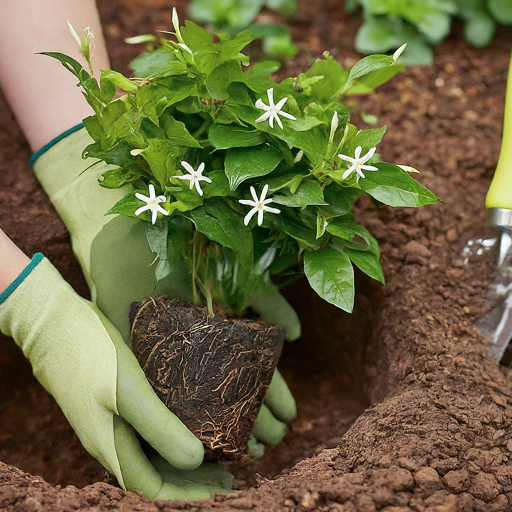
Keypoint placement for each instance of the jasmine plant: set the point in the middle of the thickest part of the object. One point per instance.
(202, 165)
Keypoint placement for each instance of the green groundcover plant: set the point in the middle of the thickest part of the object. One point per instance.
(233, 16)
(424, 23)
(248, 181)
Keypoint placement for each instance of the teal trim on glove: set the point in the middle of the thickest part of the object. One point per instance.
(49, 145)
(36, 259)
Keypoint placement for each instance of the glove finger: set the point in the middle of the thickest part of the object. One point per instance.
(268, 429)
(138, 404)
(136, 470)
(255, 448)
(206, 473)
(279, 399)
(275, 309)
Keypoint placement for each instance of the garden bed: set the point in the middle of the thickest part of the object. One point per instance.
(399, 405)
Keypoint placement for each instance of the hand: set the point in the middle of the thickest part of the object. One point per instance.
(81, 359)
(116, 260)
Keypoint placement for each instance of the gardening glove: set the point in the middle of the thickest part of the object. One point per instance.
(81, 359)
(115, 257)
(111, 249)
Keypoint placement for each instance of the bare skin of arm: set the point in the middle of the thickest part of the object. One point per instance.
(42, 94)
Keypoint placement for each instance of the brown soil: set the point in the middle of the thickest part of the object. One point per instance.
(400, 408)
(212, 372)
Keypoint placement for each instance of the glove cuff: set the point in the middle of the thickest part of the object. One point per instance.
(41, 151)
(36, 259)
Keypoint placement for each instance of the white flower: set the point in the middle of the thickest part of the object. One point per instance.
(334, 126)
(358, 163)
(86, 42)
(152, 203)
(399, 52)
(272, 111)
(179, 37)
(195, 176)
(259, 205)
(74, 35)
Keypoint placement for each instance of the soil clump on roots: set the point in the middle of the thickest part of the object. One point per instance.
(400, 407)
(212, 372)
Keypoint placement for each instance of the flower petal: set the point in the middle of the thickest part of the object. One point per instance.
(357, 153)
(288, 116)
(271, 210)
(260, 216)
(254, 195)
(151, 191)
(262, 118)
(368, 155)
(278, 119)
(347, 158)
(249, 216)
(142, 209)
(141, 197)
(188, 167)
(280, 103)
(348, 172)
(270, 95)
(247, 202)
(264, 193)
(259, 104)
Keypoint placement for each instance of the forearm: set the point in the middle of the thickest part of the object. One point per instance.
(12, 261)
(42, 94)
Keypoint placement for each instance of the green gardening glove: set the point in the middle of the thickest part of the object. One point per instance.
(116, 260)
(81, 359)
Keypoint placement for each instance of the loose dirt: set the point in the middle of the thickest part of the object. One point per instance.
(400, 408)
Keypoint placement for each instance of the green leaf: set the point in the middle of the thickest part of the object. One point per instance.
(161, 156)
(218, 187)
(369, 64)
(115, 178)
(501, 10)
(305, 237)
(151, 63)
(118, 80)
(479, 29)
(339, 201)
(69, 63)
(258, 77)
(157, 237)
(177, 133)
(280, 47)
(308, 193)
(291, 181)
(219, 222)
(222, 77)
(393, 186)
(331, 275)
(367, 262)
(234, 136)
(230, 48)
(245, 163)
(117, 155)
(334, 76)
